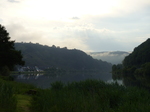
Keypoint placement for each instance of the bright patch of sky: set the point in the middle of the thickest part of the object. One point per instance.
(88, 25)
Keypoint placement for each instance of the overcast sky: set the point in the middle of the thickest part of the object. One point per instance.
(88, 25)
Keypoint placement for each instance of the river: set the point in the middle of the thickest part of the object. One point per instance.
(41, 80)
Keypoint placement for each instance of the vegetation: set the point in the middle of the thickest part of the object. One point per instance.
(14, 97)
(117, 71)
(135, 69)
(7, 97)
(63, 58)
(9, 57)
(139, 56)
(23, 103)
(90, 96)
(85, 96)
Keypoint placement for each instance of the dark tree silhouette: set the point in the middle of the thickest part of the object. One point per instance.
(9, 57)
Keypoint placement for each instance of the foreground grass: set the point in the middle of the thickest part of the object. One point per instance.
(91, 96)
(84, 96)
(23, 104)
(13, 97)
(8, 99)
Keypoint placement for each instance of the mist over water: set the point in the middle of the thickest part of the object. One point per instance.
(113, 57)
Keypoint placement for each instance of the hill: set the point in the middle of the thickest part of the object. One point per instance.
(45, 56)
(135, 69)
(139, 56)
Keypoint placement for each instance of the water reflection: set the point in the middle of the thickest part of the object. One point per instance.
(120, 82)
(29, 76)
(44, 80)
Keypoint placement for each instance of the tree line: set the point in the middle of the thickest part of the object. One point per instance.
(47, 57)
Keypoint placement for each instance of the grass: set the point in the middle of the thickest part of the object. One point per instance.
(91, 96)
(13, 97)
(23, 104)
(8, 99)
(83, 96)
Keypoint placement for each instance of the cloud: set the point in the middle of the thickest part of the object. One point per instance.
(49, 36)
(19, 33)
(1, 20)
(70, 43)
(81, 34)
(125, 7)
(126, 31)
(13, 1)
(75, 18)
(122, 27)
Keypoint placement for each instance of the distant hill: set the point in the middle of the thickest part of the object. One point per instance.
(45, 56)
(114, 57)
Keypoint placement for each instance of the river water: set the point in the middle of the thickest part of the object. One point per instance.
(44, 81)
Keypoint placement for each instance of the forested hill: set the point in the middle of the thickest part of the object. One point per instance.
(45, 56)
(135, 69)
(139, 56)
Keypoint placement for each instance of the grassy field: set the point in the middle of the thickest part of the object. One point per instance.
(91, 96)
(23, 104)
(13, 97)
(84, 96)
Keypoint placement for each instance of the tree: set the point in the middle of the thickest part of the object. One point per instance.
(139, 56)
(9, 57)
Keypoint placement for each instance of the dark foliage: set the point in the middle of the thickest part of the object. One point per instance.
(136, 67)
(8, 55)
(117, 71)
(90, 96)
(45, 56)
(139, 56)
(8, 101)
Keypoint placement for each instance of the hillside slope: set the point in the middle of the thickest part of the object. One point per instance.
(139, 56)
(45, 56)
(135, 69)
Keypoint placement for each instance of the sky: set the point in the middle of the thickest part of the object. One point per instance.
(88, 25)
